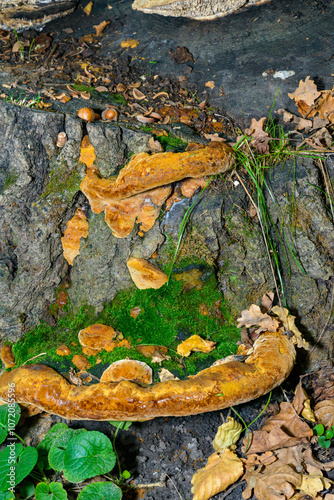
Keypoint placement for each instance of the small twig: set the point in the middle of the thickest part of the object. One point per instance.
(159, 484)
(231, 488)
(175, 487)
(42, 354)
(52, 51)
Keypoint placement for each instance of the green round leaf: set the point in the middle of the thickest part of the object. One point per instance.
(329, 434)
(44, 446)
(88, 455)
(126, 474)
(27, 489)
(9, 417)
(57, 451)
(120, 424)
(319, 429)
(16, 463)
(101, 491)
(52, 491)
(6, 495)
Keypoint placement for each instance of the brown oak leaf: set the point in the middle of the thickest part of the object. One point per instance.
(306, 91)
(283, 430)
(261, 138)
(254, 317)
(289, 324)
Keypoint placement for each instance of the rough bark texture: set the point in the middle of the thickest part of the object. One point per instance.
(40, 193)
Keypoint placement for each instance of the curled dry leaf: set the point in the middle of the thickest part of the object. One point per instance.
(312, 484)
(137, 94)
(324, 412)
(154, 145)
(144, 119)
(254, 317)
(227, 435)
(289, 325)
(195, 343)
(301, 123)
(267, 302)
(161, 94)
(221, 470)
(306, 91)
(321, 140)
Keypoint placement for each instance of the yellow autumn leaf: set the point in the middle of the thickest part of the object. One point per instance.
(307, 411)
(88, 9)
(227, 434)
(195, 343)
(221, 470)
(313, 484)
(130, 43)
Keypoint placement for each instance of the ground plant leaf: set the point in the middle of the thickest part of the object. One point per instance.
(221, 470)
(9, 417)
(227, 435)
(194, 343)
(6, 495)
(88, 455)
(47, 442)
(52, 491)
(22, 459)
(57, 451)
(306, 91)
(254, 317)
(101, 491)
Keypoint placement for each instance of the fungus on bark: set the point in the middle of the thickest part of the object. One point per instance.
(76, 228)
(146, 275)
(217, 387)
(128, 369)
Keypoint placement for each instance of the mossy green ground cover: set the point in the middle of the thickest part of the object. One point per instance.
(168, 316)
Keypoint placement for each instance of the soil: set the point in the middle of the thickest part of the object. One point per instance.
(234, 53)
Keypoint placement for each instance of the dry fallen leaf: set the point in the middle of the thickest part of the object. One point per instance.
(166, 375)
(221, 470)
(154, 145)
(267, 301)
(285, 429)
(277, 481)
(326, 107)
(306, 91)
(210, 84)
(301, 123)
(321, 140)
(254, 317)
(227, 435)
(181, 55)
(324, 412)
(100, 27)
(261, 138)
(289, 325)
(88, 9)
(130, 43)
(313, 484)
(195, 343)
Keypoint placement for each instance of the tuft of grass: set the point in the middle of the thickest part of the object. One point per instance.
(24, 101)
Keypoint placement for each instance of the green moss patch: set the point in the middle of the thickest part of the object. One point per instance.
(190, 304)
